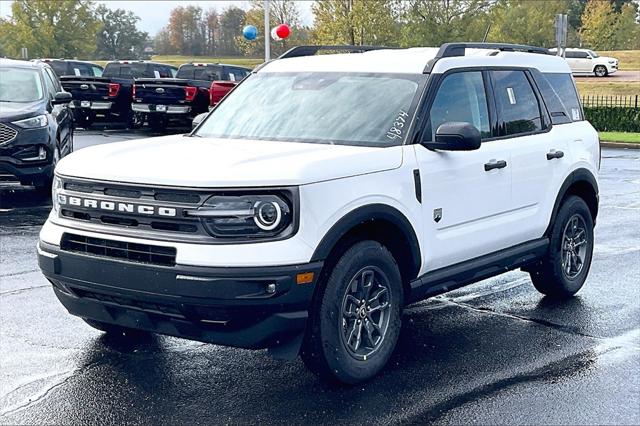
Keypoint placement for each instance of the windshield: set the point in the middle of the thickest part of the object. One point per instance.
(329, 108)
(20, 85)
(593, 54)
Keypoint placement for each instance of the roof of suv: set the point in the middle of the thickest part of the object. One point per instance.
(414, 60)
(22, 64)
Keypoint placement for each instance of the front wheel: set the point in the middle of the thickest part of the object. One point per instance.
(564, 269)
(600, 71)
(355, 322)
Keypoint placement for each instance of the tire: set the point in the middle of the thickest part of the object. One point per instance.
(564, 269)
(157, 124)
(331, 348)
(116, 330)
(600, 71)
(84, 119)
(135, 120)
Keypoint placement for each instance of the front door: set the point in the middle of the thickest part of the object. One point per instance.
(467, 194)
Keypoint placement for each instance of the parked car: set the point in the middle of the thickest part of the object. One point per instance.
(63, 67)
(195, 87)
(585, 61)
(36, 127)
(109, 97)
(327, 192)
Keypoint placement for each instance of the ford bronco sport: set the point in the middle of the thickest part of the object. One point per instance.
(325, 193)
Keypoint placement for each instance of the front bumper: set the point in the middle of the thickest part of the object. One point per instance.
(19, 156)
(248, 307)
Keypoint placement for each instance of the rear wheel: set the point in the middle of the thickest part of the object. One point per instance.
(355, 322)
(116, 330)
(135, 120)
(564, 269)
(600, 71)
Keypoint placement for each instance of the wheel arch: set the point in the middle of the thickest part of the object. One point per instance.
(378, 222)
(582, 183)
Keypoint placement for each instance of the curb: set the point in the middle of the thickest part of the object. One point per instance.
(627, 145)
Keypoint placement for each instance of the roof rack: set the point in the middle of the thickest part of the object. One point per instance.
(298, 51)
(449, 50)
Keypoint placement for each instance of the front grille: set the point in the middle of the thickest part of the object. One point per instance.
(155, 226)
(7, 134)
(133, 252)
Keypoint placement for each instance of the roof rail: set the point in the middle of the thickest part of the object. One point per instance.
(449, 50)
(298, 51)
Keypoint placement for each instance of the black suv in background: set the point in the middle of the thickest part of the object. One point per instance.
(36, 126)
(64, 67)
(109, 97)
(184, 97)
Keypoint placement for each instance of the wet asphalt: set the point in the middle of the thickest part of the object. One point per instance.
(496, 352)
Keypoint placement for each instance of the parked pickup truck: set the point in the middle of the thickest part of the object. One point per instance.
(109, 96)
(195, 88)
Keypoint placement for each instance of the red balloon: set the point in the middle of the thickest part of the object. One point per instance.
(283, 31)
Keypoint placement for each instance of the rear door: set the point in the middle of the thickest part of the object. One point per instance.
(466, 194)
(537, 150)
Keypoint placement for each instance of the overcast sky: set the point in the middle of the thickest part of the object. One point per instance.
(154, 14)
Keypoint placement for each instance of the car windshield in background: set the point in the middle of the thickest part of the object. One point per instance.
(330, 108)
(20, 85)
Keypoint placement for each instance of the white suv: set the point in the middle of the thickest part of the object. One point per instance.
(327, 192)
(585, 61)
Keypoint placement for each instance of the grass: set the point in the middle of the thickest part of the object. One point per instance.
(606, 88)
(629, 59)
(620, 137)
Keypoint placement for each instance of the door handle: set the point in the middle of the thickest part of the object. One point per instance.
(501, 164)
(554, 154)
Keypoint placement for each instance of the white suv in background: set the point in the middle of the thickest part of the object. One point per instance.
(585, 61)
(327, 192)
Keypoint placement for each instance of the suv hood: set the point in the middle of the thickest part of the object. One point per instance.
(13, 111)
(605, 59)
(206, 162)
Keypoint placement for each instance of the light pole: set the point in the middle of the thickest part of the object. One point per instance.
(267, 31)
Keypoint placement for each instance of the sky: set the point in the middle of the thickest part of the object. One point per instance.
(154, 14)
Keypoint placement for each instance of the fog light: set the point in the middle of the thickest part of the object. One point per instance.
(42, 155)
(271, 288)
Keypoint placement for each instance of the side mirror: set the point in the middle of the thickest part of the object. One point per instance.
(455, 136)
(62, 98)
(198, 119)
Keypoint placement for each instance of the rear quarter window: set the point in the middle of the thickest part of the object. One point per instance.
(564, 88)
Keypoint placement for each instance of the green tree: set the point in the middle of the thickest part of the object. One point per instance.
(627, 32)
(356, 22)
(63, 28)
(211, 31)
(431, 23)
(118, 36)
(598, 29)
(186, 30)
(526, 22)
(231, 22)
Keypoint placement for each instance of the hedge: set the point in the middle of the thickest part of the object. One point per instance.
(614, 119)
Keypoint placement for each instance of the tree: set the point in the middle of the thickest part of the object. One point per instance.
(627, 32)
(162, 43)
(231, 22)
(211, 31)
(63, 28)
(525, 22)
(598, 25)
(186, 30)
(431, 23)
(118, 36)
(356, 22)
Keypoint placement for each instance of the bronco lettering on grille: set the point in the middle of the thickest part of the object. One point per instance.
(119, 207)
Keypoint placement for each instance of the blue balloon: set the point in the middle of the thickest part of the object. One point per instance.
(250, 32)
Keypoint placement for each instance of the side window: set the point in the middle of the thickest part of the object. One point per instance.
(97, 71)
(48, 82)
(581, 55)
(56, 83)
(563, 86)
(516, 102)
(461, 97)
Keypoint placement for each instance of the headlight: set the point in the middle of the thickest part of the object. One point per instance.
(247, 216)
(33, 122)
(56, 197)
(612, 62)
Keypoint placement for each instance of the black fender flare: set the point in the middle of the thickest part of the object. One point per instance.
(577, 176)
(364, 214)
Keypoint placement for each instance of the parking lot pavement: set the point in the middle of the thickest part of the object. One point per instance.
(492, 353)
(615, 77)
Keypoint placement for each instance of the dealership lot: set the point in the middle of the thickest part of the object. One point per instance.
(494, 352)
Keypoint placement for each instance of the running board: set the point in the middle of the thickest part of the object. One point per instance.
(470, 271)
